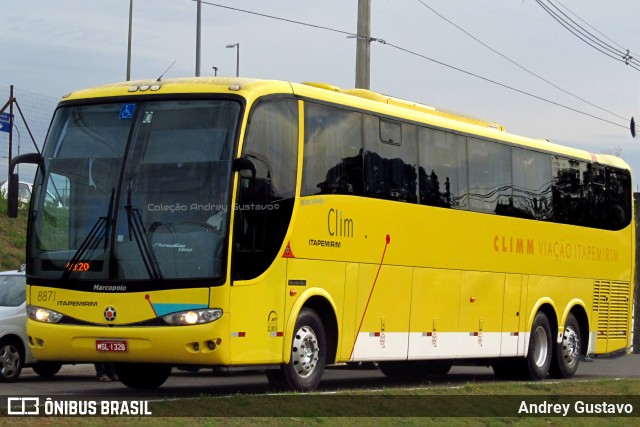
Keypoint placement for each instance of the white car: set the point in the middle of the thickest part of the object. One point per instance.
(14, 344)
(24, 191)
(24, 194)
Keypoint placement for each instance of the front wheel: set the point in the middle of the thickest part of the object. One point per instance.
(308, 355)
(46, 369)
(142, 376)
(566, 355)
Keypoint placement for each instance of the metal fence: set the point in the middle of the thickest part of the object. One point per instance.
(37, 110)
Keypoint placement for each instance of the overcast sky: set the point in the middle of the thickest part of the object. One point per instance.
(54, 47)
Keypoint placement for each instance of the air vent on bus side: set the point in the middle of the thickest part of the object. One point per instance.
(610, 308)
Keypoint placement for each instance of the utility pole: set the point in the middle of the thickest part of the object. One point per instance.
(363, 45)
(11, 101)
(198, 22)
(129, 40)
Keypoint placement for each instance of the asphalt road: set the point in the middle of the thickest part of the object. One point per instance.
(80, 380)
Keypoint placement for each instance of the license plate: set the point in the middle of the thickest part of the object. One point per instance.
(112, 346)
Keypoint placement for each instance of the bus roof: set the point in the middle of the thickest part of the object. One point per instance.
(354, 98)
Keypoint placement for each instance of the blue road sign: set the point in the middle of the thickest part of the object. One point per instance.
(4, 122)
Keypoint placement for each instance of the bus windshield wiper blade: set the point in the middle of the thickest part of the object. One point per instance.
(136, 228)
(100, 229)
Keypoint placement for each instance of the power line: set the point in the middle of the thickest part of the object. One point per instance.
(517, 64)
(504, 85)
(593, 28)
(587, 37)
(291, 21)
(399, 48)
(626, 57)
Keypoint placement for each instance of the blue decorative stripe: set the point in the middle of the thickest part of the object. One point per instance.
(167, 308)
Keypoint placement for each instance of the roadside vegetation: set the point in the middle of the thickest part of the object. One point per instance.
(13, 236)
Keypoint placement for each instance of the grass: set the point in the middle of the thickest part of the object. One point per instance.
(13, 236)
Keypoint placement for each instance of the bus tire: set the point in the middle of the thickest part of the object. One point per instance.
(142, 375)
(308, 354)
(46, 369)
(538, 361)
(566, 354)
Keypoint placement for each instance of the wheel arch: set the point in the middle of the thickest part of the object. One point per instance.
(547, 307)
(17, 340)
(321, 302)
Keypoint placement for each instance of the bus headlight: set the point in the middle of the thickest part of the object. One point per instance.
(43, 314)
(193, 317)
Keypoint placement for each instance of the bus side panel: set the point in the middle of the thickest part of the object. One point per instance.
(481, 308)
(511, 319)
(559, 292)
(435, 312)
(257, 315)
(306, 277)
(384, 300)
(349, 324)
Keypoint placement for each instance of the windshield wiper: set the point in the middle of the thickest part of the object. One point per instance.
(100, 230)
(137, 230)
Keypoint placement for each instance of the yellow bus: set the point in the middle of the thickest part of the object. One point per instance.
(249, 224)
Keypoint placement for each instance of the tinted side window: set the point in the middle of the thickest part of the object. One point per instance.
(265, 203)
(443, 169)
(489, 177)
(272, 139)
(569, 205)
(590, 194)
(332, 151)
(391, 151)
(619, 198)
(531, 185)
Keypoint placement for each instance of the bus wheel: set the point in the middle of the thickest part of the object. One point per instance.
(538, 360)
(46, 369)
(566, 355)
(142, 376)
(308, 354)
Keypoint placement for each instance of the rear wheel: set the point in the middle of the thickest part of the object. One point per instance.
(142, 376)
(11, 359)
(308, 355)
(566, 355)
(46, 369)
(536, 364)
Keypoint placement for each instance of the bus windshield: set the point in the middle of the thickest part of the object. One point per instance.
(142, 190)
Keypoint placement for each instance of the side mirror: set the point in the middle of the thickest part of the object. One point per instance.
(244, 163)
(12, 193)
